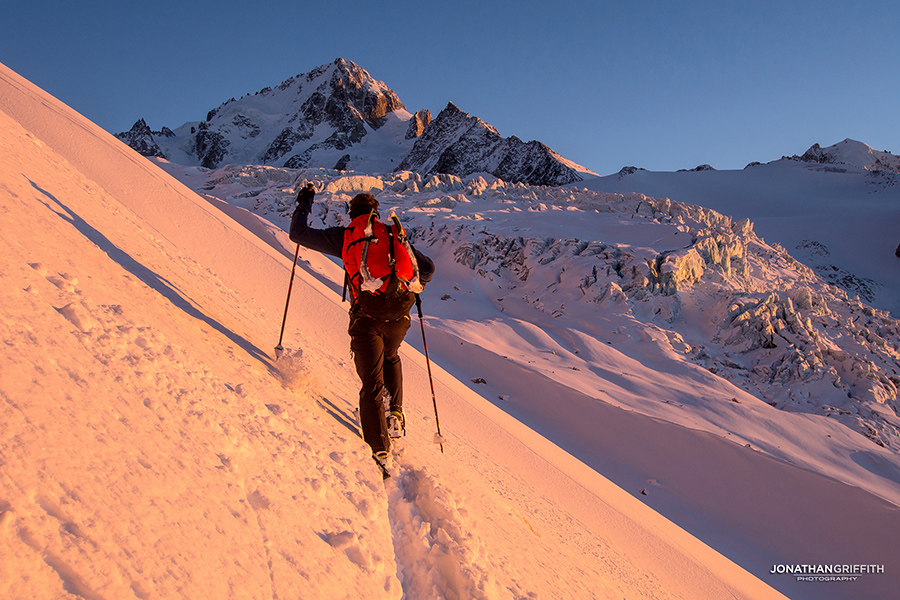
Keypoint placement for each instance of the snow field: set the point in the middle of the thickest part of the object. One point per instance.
(439, 552)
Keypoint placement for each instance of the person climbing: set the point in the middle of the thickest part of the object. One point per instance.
(383, 273)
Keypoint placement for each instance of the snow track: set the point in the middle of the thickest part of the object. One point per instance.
(438, 551)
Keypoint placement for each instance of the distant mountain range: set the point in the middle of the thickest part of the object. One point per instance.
(848, 153)
(338, 117)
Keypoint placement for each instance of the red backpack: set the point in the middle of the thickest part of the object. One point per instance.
(381, 269)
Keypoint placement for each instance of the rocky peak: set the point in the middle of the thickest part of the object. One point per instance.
(316, 119)
(630, 170)
(327, 110)
(854, 153)
(354, 94)
(697, 169)
(141, 139)
(456, 143)
(417, 124)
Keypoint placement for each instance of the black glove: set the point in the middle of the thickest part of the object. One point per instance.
(305, 197)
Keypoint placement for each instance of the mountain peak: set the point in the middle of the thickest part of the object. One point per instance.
(456, 143)
(312, 118)
(141, 138)
(452, 108)
(853, 153)
(317, 118)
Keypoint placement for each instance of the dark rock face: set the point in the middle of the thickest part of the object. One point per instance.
(631, 170)
(141, 139)
(353, 96)
(815, 154)
(299, 161)
(210, 146)
(534, 163)
(246, 126)
(459, 144)
(418, 123)
(283, 144)
(343, 163)
(347, 102)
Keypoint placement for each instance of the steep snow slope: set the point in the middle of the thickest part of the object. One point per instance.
(151, 448)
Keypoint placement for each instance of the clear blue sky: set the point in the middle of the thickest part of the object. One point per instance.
(662, 85)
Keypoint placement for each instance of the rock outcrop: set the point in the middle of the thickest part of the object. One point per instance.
(459, 144)
(141, 138)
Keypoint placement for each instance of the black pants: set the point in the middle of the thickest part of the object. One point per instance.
(375, 345)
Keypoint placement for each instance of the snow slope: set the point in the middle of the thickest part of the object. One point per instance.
(151, 448)
(852, 152)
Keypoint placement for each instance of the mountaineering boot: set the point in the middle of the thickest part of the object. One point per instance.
(396, 424)
(384, 462)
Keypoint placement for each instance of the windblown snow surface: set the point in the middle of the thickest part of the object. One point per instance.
(639, 398)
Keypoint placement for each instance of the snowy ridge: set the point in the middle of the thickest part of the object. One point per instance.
(456, 143)
(337, 116)
(853, 153)
(313, 118)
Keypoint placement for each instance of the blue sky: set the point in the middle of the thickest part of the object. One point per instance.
(656, 84)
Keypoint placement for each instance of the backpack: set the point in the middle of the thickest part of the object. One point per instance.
(380, 268)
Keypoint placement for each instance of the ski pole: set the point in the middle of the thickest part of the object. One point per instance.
(437, 438)
(279, 348)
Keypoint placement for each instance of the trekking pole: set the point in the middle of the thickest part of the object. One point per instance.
(279, 348)
(438, 438)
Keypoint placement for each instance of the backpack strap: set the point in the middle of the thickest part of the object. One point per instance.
(392, 258)
(414, 284)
